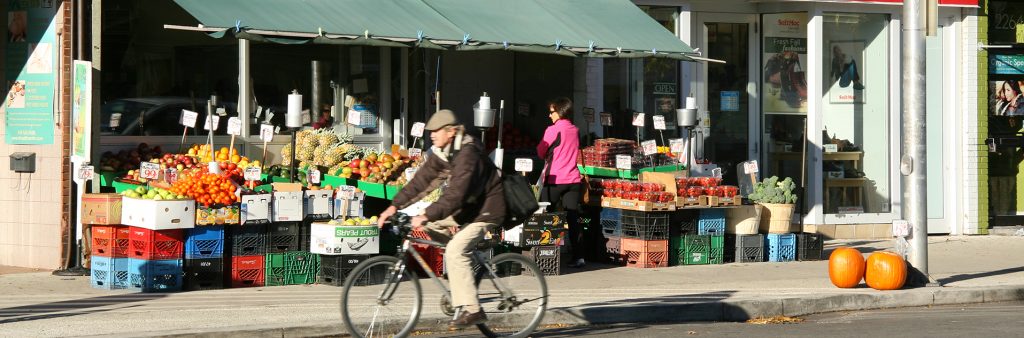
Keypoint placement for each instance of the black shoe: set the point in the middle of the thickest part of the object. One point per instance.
(467, 319)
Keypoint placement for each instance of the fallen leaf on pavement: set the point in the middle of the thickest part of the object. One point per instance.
(774, 320)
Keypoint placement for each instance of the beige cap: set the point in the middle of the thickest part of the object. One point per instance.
(441, 119)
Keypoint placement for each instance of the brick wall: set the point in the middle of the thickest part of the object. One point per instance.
(977, 151)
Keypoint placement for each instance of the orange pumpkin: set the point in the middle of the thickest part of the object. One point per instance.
(845, 267)
(886, 271)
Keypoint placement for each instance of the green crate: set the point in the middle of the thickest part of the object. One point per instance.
(372, 189)
(631, 174)
(291, 268)
(267, 188)
(122, 186)
(696, 250)
(391, 191)
(599, 171)
(107, 178)
(663, 169)
(336, 181)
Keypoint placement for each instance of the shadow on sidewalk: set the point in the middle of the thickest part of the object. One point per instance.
(963, 277)
(73, 307)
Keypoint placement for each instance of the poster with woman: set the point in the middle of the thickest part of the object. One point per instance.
(785, 59)
(1007, 98)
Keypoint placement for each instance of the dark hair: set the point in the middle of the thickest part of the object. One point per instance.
(563, 106)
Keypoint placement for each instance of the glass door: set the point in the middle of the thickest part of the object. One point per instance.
(726, 92)
(940, 100)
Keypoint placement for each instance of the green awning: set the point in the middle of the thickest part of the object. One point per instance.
(588, 28)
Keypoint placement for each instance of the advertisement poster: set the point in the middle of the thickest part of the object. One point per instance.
(785, 59)
(30, 61)
(81, 108)
(846, 84)
(1006, 98)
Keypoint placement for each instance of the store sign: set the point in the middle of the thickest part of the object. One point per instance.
(659, 122)
(665, 88)
(253, 173)
(730, 100)
(149, 170)
(524, 165)
(650, 147)
(188, 118)
(266, 132)
(638, 119)
(417, 129)
(32, 65)
(624, 162)
(1006, 64)
(81, 108)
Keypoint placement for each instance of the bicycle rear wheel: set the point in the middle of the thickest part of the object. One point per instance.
(367, 313)
(515, 300)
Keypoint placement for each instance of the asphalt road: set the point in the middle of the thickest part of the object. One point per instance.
(982, 320)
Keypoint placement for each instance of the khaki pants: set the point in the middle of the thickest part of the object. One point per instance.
(86, 245)
(457, 259)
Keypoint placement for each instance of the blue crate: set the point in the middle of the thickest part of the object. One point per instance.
(109, 273)
(711, 222)
(611, 222)
(156, 275)
(204, 242)
(780, 247)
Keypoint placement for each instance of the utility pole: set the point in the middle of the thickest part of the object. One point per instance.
(913, 161)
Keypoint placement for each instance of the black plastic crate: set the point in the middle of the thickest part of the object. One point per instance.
(247, 240)
(284, 237)
(744, 248)
(611, 222)
(809, 246)
(548, 258)
(645, 225)
(204, 274)
(334, 269)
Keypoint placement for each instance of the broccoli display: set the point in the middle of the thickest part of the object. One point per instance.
(771, 190)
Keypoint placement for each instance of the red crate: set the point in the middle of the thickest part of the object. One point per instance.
(644, 246)
(110, 240)
(635, 259)
(434, 257)
(247, 271)
(156, 244)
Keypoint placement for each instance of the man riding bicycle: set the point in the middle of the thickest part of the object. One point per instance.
(472, 202)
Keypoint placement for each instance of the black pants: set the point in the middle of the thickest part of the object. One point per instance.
(567, 197)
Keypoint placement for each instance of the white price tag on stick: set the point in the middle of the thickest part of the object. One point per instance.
(314, 176)
(638, 119)
(171, 175)
(750, 167)
(624, 162)
(417, 129)
(188, 118)
(676, 145)
(266, 132)
(415, 152)
(234, 126)
(253, 173)
(86, 172)
(216, 123)
(659, 122)
(149, 170)
(900, 228)
(524, 165)
(650, 147)
(346, 192)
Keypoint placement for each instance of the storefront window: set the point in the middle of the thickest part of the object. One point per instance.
(784, 93)
(660, 92)
(855, 113)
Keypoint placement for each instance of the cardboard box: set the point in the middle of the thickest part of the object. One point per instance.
(217, 216)
(347, 203)
(329, 239)
(158, 214)
(255, 209)
(318, 204)
(544, 229)
(288, 200)
(102, 209)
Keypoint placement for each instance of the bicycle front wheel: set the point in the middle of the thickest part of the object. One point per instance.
(514, 297)
(380, 299)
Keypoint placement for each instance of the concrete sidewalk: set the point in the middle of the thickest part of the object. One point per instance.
(973, 269)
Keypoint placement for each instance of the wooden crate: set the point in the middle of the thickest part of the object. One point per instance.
(618, 203)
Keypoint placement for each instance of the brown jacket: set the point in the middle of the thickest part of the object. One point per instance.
(474, 192)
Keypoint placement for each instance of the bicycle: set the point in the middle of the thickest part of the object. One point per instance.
(382, 297)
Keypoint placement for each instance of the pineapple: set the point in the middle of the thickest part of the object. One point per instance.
(286, 154)
(327, 138)
(335, 155)
(320, 154)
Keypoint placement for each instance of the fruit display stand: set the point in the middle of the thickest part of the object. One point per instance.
(390, 191)
(107, 177)
(120, 187)
(372, 189)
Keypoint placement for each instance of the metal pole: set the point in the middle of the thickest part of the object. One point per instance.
(912, 163)
(316, 94)
(245, 109)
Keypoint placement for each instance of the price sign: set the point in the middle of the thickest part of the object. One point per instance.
(415, 152)
(354, 117)
(216, 122)
(624, 162)
(115, 120)
(676, 145)
(524, 164)
(638, 119)
(149, 170)
(750, 167)
(188, 118)
(659, 122)
(314, 176)
(346, 192)
(716, 173)
(650, 147)
(417, 129)
(900, 228)
(86, 172)
(266, 132)
(253, 173)
(831, 148)
(234, 126)
(171, 175)
(588, 114)
(606, 119)
(409, 173)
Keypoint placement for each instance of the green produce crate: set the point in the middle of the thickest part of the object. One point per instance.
(372, 189)
(336, 181)
(291, 268)
(598, 171)
(629, 174)
(391, 191)
(663, 169)
(122, 186)
(107, 178)
(265, 188)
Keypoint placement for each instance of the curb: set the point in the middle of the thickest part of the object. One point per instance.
(719, 311)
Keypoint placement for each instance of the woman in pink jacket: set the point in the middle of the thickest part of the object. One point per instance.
(560, 149)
